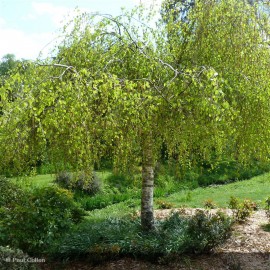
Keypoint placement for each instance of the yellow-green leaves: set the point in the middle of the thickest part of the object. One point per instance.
(198, 86)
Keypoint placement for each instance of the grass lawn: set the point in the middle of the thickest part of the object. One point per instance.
(35, 181)
(256, 189)
(114, 211)
(43, 180)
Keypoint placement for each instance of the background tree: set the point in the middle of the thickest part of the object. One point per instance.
(119, 88)
(8, 62)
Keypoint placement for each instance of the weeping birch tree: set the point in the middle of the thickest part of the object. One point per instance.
(118, 87)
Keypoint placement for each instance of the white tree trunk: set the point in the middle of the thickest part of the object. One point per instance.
(147, 212)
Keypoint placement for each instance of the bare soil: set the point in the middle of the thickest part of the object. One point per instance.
(248, 248)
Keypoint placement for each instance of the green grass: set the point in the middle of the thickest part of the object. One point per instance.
(47, 179)
(256, 189)
(118, 210)
(35, 181)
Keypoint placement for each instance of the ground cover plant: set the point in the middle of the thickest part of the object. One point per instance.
(23, 261)
(116, 237)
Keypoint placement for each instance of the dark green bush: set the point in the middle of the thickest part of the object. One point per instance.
(229, 170)
(116, 237)
(15, 259)
(120, 181)
(64, 179)
(101, 201)
(42, 215)
(89, 183)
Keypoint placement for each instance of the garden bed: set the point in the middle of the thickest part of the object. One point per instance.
(248, 248)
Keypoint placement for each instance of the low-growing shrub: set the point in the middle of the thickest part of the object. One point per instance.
(89, 183)
(267, 208)
(208, 230)
(209, 204)
(116, 237)
(64, 179)
(242, 210)
(233, 203)
(41, 216)
(15, 259)
(164, 205)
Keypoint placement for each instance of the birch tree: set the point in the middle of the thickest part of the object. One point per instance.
(121, 88)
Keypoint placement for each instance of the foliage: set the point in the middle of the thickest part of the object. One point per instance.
(174, 235)
(209, 203)
(122, 181)
(164, 205)
(233, 203)
(39, 217)
(217, 172)
(267, 207)
(119, 210)
(124, 90)
(101, 201)
(7, 63)
(88, 183)
(10, 193)
(64, 179)
(21, 260)
(229, 170)
(207, 231)
(242, 210)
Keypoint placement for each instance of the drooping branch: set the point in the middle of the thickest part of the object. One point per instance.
(138, 47)
(66, 67)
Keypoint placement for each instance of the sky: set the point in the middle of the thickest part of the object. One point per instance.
(28, 27)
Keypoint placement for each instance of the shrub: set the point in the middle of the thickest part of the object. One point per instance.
(43, 215)
(103, 200)
(233, 202)
(242, 210)
(207, 230)
(120, 181)
(209, 203)
(64, 179)
(89, 183)
(15, 259)
(164, 205)
(10, 193)
(267, 207)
